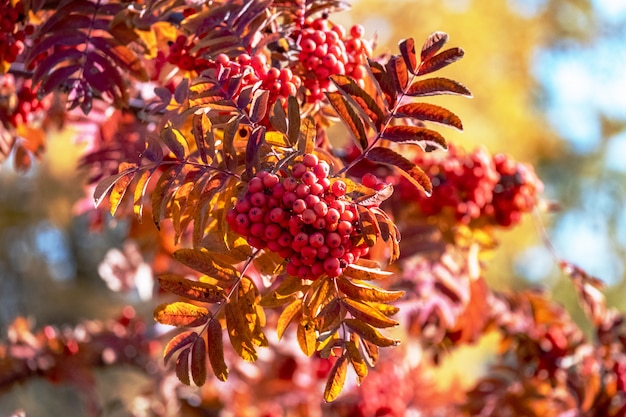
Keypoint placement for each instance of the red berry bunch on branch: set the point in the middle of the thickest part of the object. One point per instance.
(303, 216)
(12, 35)
(476, 188)
(516, 191)
(19, 103)
(326, 50)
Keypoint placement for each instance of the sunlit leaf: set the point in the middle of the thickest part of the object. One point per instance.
(408, 169)
(287, 315)
(105, 185)
(368, 314)
(207, 263)
(431, 113)
(181, 314)
(174, 140)
(357, 361)
(178, 342)
(194, 290)
(366, 292)
(352, 121)
(398, 68)
(433, 44)
(336, 379)
(306, 335)
(440, 60)
(370, 333)
(407, 49)
(437, 86)
(421, 136)
(366, 273)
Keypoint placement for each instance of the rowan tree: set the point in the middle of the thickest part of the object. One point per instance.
(266, 229)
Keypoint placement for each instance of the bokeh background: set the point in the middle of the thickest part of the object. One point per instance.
(549, 85)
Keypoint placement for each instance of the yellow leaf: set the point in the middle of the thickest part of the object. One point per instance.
(366, 292)
(239, 332)
(336, 379)
(287, 315)
(365, 273)
(178, 342)
(370, 334)
(277, 139)
(367, 313)
(207, 263)
(307, 338)
(181, 314)
(357, 361)
(194, 290)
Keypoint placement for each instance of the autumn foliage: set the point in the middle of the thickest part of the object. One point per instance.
(271, 231)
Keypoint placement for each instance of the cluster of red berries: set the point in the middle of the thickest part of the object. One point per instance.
(476, 188)
(303, 216)
(325, 50)
(516, 191)
(281, 83)
(11, 34)
(19, 106)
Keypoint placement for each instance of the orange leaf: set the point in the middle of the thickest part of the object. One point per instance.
(437, 86)
(194, 290)
(181, 314)
(178, 342)
(425, 138)
(336, 379)
(356, 359)
(431, 113)
(287, 316)
(407, 49)
(367, 313)
(370, 334)
(207, 263)
(307, 338)
(433, 44)
(408, 169)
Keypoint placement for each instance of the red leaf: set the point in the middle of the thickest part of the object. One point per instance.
(408, 169)
(431, 113)
(407, 49)
(433, 44)
(398, 69)
(436, 86)
(440, 60)
(198, 361)
(425, 138)
(352, 120)
(178, 342)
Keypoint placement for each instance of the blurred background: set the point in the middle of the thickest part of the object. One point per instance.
(549, 89)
